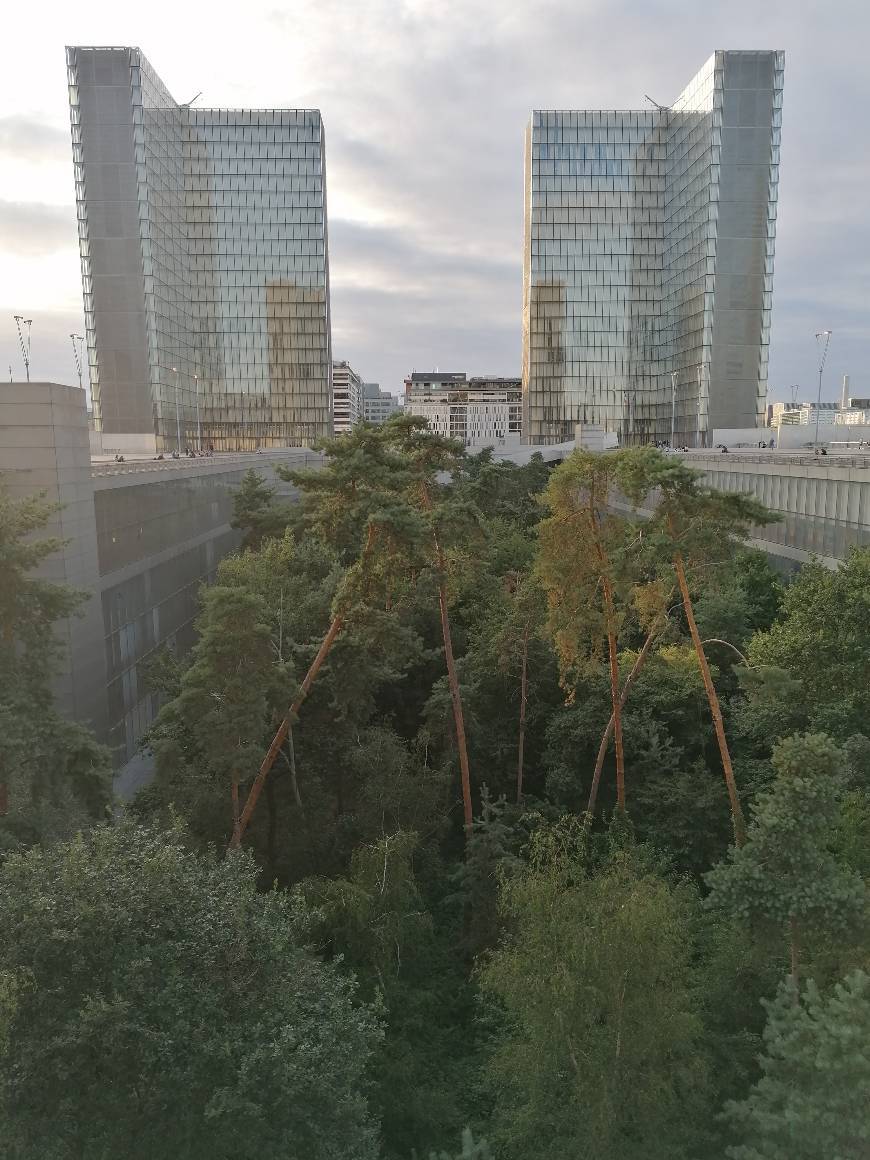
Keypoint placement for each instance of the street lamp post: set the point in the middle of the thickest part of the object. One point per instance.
(198, 424)
(698, 429)
(673, 405)
(823, 354)
(24, 340)
(177, 415)
(77, 340)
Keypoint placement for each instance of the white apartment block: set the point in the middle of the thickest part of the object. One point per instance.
(782, 414)
(347, 397)
(479, 412)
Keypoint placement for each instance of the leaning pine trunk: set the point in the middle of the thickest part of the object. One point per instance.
(715, 710)
(521, 742)
(608, 732)
(284, 728)
(287, 722)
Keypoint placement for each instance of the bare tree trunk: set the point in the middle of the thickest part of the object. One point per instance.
(713, 699)
(284, 728)
(608, 732)
(521, 742)
(287, 721)
(452, 678)
(272, 827)
(294, 784)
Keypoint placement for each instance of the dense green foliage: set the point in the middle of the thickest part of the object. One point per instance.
(682, 977)
(814, 1093)
(53, 776)
(164, 1007)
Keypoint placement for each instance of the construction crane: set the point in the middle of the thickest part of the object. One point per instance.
(20, 321)
(77, 340)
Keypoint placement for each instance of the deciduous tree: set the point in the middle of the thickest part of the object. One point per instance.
(168, 1008)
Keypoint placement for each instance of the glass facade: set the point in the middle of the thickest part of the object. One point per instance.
(648, 259)
(204, 261)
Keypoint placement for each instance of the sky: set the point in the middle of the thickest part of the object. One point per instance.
(425, 104)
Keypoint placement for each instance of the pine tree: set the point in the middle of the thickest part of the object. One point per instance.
(693, 527)
(784, 880)
(813, 1097)
(54, 777)
(354, 503)
(450, 521)
(588, 567)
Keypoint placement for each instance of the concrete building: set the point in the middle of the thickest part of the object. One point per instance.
(347, 397)
(824, 504)
(803, 414)
(378, 405)
(648, 259)
(479, 412)
(204, 262)
(143, 536)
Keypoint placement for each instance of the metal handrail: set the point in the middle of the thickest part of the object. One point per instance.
(215, 462)
(783, 460)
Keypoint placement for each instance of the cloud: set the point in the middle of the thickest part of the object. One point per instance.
(425, 106)
(33, 230)
(27, 139)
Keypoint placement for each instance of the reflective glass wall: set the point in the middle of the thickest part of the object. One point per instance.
(648, 259)
(204, 261)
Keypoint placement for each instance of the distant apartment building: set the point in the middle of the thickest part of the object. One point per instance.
(204, 261)
(802, 414)
(648, 259)
(378, 405)
(857, 414)
(479, 412)
(347, 397)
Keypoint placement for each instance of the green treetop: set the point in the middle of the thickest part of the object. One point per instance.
(785, 880)
(165, 1007)
(54, 777)
(813, 1097)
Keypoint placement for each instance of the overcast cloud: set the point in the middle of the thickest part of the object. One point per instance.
(425, 103)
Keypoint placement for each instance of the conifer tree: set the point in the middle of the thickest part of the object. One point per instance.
(784, 880)
(54, 776)
(693, 528)
(813, 1097)
(587, 567)
(450, 521)
(354, 504)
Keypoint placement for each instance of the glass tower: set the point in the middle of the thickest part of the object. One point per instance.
(204, 261)
(648, 260)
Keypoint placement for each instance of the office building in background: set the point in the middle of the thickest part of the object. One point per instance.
(479, 412)
(204, 262)
(648, 260)
(347, 400)
(378, 405)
